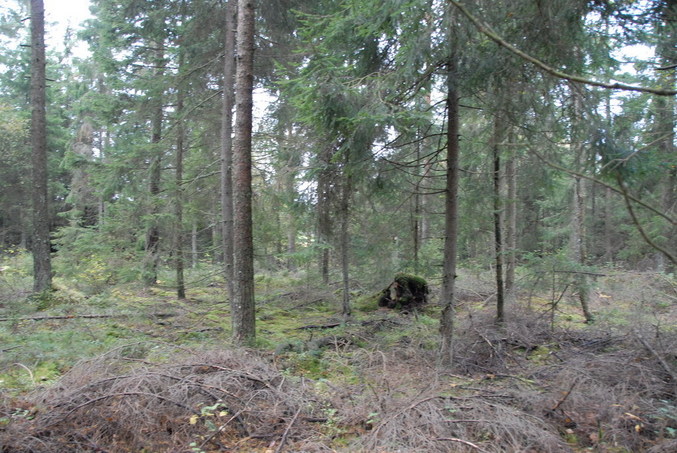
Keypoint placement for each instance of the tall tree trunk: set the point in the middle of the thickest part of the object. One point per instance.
(498, 226)
(608, 227)
(577, 245)
(242, 304)
(666, 118)
(289, 188)
(193, 246)
(448, 295)
(178, 208)
(153, 233)
(227, 146)
(416, 226)
(345, 237)
(42, 263)
(577, 219)
(425, 201)
(511, 225)
(324, 226)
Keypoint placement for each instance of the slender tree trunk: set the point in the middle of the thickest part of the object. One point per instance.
(180, 149)
(416, 227)
(227, 145)
(324, 226)
(242, 304)
(153, 233)
(608, 197)
(345, 237)
(666, 116)
(577, 220)
(577, 247)
(193, 246)
(215, 229)
(425, 202)
(42, 263)
(448, 295)
(608, 227)
(289, 188)
(498, 226)
(511, 226)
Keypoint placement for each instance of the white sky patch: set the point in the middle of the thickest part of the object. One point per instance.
(60, 16)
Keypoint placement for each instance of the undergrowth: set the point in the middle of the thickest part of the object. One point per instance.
(132, 369)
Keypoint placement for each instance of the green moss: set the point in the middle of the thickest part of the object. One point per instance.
(368, 303)
(417, 281)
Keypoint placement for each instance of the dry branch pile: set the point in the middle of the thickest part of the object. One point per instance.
(232, 400)
(524, 388)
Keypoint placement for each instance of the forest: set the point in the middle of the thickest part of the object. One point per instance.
(339, 226)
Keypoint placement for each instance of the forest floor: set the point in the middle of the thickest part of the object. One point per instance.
(132, 370)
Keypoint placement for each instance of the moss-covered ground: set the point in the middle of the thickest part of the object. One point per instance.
(554, 382)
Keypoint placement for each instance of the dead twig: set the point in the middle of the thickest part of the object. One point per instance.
(320, 326)
(286, 431)
(666, 366)
(221, 428)
(460, 441)
(114, 395)
(566, 395)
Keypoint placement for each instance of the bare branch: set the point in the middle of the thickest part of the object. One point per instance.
(639, 227)
(460, 441)
(603, 184)
(491, 34)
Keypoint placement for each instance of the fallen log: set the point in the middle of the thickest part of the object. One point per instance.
(57, 317)
(320, 326)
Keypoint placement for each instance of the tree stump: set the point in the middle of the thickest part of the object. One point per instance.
(405, 292)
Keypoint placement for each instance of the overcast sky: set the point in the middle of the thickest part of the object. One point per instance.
(64, 13)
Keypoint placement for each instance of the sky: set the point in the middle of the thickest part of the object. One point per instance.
(60, 14)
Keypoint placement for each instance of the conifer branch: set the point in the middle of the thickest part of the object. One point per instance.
(639, 227)
(491, 34)
(622, 192)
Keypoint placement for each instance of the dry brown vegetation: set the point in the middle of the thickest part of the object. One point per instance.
(530, 385)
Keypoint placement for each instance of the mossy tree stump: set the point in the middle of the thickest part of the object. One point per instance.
(405, 292)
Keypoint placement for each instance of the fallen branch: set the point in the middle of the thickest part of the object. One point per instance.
(320, 326)
(56, 317)
(117, 395)
(566, 395)
(286, 431)
(666, 366)
(460, 441)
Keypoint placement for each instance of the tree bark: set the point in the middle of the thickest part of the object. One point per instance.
(577, 219)
(41, 247)
(577, 247)
(324, 198)
(178, 208)
(448, 294)
(345, 236)
(667, 120)
(155, 174)
(511, 225)
(498, 226)
(227, 145)
(417, 201)
(193, 246)
(242, 304)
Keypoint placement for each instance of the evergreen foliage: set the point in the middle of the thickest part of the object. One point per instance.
(350, 141)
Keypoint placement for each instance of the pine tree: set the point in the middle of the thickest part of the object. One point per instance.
(242, 304)
(41, 244)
